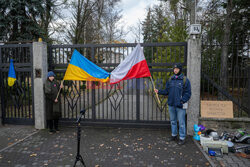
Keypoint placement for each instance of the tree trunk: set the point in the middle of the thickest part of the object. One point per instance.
(224, 52)
(47, 18)
(14, 32)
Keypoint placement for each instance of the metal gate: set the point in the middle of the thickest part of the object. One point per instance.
(130, 102)
(237, 88)
(17, 101)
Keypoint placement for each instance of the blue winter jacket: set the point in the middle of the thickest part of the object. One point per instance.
(176, 91)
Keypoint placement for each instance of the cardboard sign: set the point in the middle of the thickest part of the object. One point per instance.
(216, 109)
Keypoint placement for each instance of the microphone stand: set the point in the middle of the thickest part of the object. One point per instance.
(78, 156)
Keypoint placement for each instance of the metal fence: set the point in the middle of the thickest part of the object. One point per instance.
(238, 74)
(17, 101)
(129, 102)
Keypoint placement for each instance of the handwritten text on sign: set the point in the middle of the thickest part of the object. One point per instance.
(217, 109)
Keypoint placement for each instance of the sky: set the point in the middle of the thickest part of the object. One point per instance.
(134, 11)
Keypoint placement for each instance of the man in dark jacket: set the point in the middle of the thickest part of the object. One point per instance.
(178, 89)
(53, 105)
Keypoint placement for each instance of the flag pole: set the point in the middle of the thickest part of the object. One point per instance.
(59, 89)
(154, 90)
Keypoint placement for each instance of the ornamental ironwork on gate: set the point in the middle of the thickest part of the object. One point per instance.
(131, 102)
(17, 100)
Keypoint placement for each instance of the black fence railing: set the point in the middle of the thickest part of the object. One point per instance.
(129, 102)
(17, 101)
(237, 87)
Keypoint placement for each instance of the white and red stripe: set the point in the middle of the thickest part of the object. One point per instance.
(133, 66)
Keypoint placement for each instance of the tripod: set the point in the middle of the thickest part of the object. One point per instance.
(78, 156)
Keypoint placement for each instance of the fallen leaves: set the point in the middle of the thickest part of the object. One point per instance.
(33, 155)
(114, 140)
(186, 165)
(138, 149)
(149, 146)
(222, 164)
(244, 155)
(207, 164)
(109, 147)
(156, 157)
(125, 144)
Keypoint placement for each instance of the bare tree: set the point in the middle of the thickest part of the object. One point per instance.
(50, 18)
(94, 21)
(137, 31)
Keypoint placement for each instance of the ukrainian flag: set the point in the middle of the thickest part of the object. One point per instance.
(11, 74)
(81, 69)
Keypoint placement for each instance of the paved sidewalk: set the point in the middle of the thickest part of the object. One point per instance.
(231, 160)
(104, 147)
(11, 134)
(227, 160)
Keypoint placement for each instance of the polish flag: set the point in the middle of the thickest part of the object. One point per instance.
(133, 66)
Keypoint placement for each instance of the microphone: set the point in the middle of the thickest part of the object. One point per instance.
(82, 111)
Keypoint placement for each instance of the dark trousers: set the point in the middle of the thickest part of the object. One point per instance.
(52, 124)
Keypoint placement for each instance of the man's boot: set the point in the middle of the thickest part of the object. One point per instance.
(172, 138)
(181, 142)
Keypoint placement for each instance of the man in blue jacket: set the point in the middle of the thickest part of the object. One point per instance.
(178, 89)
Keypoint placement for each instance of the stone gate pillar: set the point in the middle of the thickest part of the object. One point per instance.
(194, 75)
(40, 69)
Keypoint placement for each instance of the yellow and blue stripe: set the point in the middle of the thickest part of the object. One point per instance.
(81, 69)
(11, 74)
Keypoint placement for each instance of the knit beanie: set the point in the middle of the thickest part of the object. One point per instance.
(179, 66)
(50, 74)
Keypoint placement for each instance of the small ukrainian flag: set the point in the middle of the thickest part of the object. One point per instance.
(11, 74)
